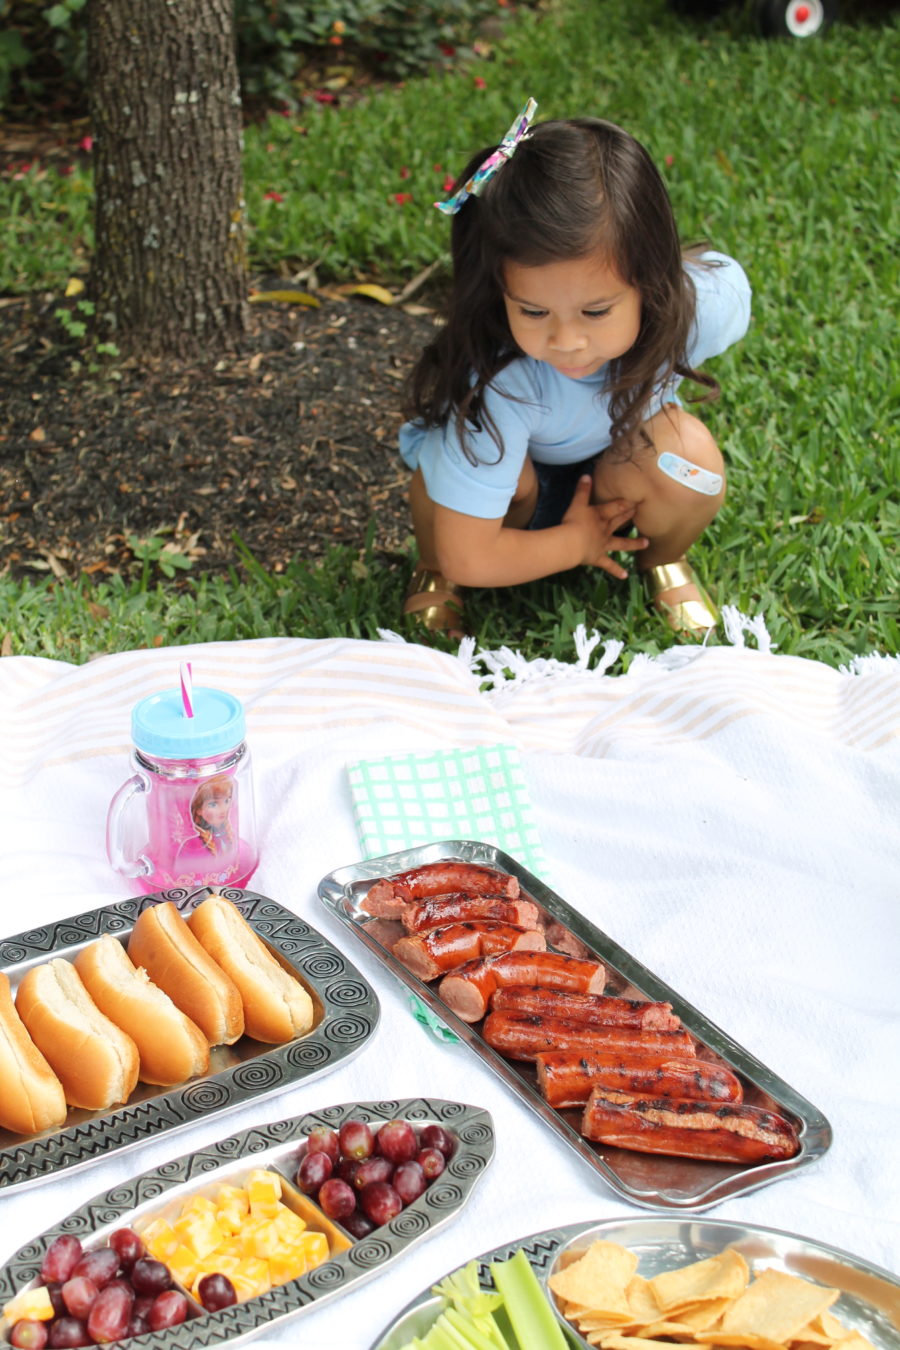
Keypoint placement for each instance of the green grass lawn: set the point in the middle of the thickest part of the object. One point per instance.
(781, 153)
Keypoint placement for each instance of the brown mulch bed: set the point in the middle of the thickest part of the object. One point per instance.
(289, 445)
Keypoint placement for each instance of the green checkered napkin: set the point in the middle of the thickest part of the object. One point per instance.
(406, 800)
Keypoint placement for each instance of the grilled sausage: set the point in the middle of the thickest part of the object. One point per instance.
(385, 899)
(711, 1131)
(468, 991)
(568, 1077)
(439, 950)
(595, 1009)
(458, 907)
(525, 1035)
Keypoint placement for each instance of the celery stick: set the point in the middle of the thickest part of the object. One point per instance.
(482, 1332)
(532, 1318)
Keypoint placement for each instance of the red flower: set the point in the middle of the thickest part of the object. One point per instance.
(479, 83)
(403, 198)
(86, 144)
(404, 172)
(272, 197)
(436, 167)
(65, 169)
(447, 185)
(669, 161)
(324, 96)
(447, 49)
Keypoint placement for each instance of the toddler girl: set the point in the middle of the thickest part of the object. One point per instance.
(545, 426)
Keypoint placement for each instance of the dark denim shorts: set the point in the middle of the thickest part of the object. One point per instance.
(556, 488)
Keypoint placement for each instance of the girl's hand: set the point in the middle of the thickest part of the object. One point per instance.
(597, 523)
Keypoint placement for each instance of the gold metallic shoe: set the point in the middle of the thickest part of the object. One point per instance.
(435, 602)
(694, 618)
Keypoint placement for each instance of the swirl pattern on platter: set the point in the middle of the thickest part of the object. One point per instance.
(204, 1097)
(308, 1054)
(346, 1029)
(371, 1251)
(257, 1075)
(321, 965)
(347, 993)
(327, 1276)
(410, 1223)
(444, 1195)
(475, 1133)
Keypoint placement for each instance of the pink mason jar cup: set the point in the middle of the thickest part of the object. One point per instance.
(186, 817)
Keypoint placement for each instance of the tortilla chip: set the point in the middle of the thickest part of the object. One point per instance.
(641, 1300)
(700, 1317)
(597, 1280)
(723, 1276)
(776, 1307)
(854, 1341)
(616, 1341)
(742, 1340)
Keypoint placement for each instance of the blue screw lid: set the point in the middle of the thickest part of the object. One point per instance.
(160, 727)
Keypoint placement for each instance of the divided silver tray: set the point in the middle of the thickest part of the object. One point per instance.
(649, 1180)
(275, 1147)
(346, 1015)
(869, 1300)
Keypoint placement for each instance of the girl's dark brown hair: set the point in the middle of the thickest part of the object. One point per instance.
(572, 189)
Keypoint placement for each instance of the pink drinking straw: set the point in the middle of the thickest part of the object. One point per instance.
(187, 688)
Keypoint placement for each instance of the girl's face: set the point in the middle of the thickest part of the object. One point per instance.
(215, 810)
(575, 315)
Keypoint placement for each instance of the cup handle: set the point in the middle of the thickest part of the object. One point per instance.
(119, 807)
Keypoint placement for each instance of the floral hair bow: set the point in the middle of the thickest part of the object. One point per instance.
(486, 170)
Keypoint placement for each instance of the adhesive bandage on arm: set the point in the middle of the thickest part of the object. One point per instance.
(691, 475)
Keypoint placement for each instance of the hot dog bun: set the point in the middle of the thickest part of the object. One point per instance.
(94, 1060)
(163, 944)
(276, 1006)
(31, 1095)
(172, 1048)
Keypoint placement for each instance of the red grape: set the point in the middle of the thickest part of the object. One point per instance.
(408, 1181)
(61, 1258)
(435, 1136)
(380, 1202)
(397, 1141)
(314, 1170)
(67, 1332)
(78, 1295)
(371, 1169)
(431, 1161)
(322, 1140)
(129, 1246)
(356, 1139)
(337, 1199)
(142, 1305)
(216, 1291)
(357, 1225)
(149, 1276)
(138, 1325)
(109, 1317)
(346, 1170)
(169, 1308)
(99, 1266)
(29, 1334)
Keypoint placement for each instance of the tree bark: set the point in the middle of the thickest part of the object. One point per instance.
(168, 273)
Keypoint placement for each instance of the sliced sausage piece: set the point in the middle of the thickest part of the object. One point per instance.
(568, 1077)
(458, 907)
(433, 953)
(437, 878)
(709, 1131)
(468, 992)
(525, 1035)
(595, 1009)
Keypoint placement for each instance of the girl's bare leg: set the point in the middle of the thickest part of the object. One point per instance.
(671, 515)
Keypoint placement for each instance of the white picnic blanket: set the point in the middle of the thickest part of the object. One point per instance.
(730, 816)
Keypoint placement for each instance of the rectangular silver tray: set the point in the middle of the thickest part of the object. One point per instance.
(164, 1190)
(649, 1180)
(346, 1015)
(869, 1299)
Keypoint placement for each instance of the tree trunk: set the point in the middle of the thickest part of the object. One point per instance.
(168, 274)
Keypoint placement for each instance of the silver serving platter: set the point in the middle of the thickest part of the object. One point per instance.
(869, 1301)
(164, 1190)
(346, 1015)
(650, 1180)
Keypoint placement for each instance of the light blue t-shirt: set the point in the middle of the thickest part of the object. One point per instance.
(554, 418)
